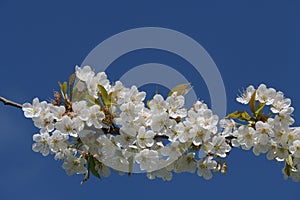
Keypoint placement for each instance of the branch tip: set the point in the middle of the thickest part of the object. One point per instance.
(9, 102)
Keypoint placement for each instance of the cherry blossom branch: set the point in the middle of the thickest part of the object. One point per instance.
(103, 126)
(9, 102)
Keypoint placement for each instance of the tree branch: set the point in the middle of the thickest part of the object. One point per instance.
(9, 102)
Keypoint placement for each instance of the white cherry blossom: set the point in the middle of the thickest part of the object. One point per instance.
(145, 138)
(186, 163)
(84, 73)
(58, 112)
(158, 104)
(161, 121)
(205, 166)
(175, 106)
(58, 141)
(200, 134)
(32, 110)
(74, 165)
(147, 159)
(246, 95)
(41, 143)
(69, 126)
(265, 95)
(295, 148)
(245, 137)
(95, 117)
(280, 103)
(80, 109)
(220, 147)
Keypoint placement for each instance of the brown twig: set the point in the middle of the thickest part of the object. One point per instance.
(11, 103)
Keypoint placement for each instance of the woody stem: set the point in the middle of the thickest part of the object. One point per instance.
(9, 102)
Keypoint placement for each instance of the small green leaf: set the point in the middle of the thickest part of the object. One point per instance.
(252, 102)
(262, 117)
(245, 115)
(71, 84)
(63, 88)
(241, 115)
(86, 177)
(218, 167)
(91, 168)
(181, 89)
(224, 168)
(83, 94)
(289, 160)
(260, 107)
(148, 103)
(92, 165)
(112, 98)
(287, 170)
(131, 165)
(289, 167)
(234, 115)
(103, 93)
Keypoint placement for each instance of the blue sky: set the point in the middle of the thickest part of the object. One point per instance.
(40, 43)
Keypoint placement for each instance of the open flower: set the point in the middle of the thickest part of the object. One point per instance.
(145, 138)
(295, 148)
(265, 95)
(205, 166)
(74, 165)
(245, 96)
(41, 143)
(32, 110)
(84, 73)
(148, 160)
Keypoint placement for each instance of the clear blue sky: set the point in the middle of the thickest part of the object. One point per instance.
(40, 43)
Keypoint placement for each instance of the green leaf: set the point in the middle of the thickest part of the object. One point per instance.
(148, 103)
(103, 93)
(92, 165)
(234, 115)
(63, 88)
(181, 89)
(131, 165)
(260, 107)
(91, 168)
(252, 102)
(224, 168)
(245, 115)
(218, 167)
(83, 94)
(241, 115)
(289, 160)
(287, 170)
(112, 98)
(289, 167)
(71, 84)
(86, 177)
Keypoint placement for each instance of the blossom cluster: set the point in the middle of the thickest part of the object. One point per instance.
(108, 125)
(95, 126)
(269, 133)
